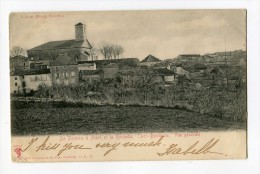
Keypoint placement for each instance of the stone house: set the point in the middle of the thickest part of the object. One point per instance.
(166, 74)
(91, 76)
(64, 70)
(19, 63)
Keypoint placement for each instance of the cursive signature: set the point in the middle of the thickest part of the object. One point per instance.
(174, 149)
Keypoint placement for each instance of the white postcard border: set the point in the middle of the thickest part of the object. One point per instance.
(251, 165)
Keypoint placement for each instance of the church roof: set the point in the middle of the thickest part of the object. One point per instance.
(151, 58)
(64, 59)
(63, 44)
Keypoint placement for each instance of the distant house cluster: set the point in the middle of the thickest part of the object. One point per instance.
(220, 68)
(69, 62)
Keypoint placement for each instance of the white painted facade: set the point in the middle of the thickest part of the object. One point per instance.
(26, 83)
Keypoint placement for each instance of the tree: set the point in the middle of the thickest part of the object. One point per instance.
(110, 51)
(118, 51)
(145, 83)
(17, 51)
(93, 52)
(105, 50)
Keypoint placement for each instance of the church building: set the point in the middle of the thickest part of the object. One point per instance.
(77, 48)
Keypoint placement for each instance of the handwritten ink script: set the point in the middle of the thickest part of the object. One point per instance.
(47, 146)
(142, 146)
(108, 147)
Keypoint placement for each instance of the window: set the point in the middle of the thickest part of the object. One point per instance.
(57, 68)
(14, 91)
(72, 74)
(15, 78)
(15, 84)
(66, 75)
(57, 75)
(44, 67)
(23, 64)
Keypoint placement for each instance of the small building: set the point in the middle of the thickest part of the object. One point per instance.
(25, 81)
(19, 63)
(64, 70)
(91, 76)
(149, 61)
(111, 70)
(167, 75)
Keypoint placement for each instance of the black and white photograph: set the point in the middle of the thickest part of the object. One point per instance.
(128, 71)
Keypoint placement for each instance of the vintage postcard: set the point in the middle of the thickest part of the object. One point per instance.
(128, 85)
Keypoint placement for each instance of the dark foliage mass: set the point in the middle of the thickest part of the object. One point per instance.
(39, 118)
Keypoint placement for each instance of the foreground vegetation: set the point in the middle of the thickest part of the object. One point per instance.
(39, 118)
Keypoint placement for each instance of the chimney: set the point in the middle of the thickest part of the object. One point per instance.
(80, 32)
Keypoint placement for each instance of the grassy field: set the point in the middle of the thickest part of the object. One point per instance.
(39, 118)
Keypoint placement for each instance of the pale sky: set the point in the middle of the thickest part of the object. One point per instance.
(164, 34)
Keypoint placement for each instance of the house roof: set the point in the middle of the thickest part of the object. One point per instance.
(62, 44)
(64, 59)
(215, 70)
(91, 72)
(200, 66)
(151, 58)
(111, 65)
(31, 72)
(165, 72)
(183, 77)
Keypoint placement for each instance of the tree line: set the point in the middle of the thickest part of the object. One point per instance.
(107, 50)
